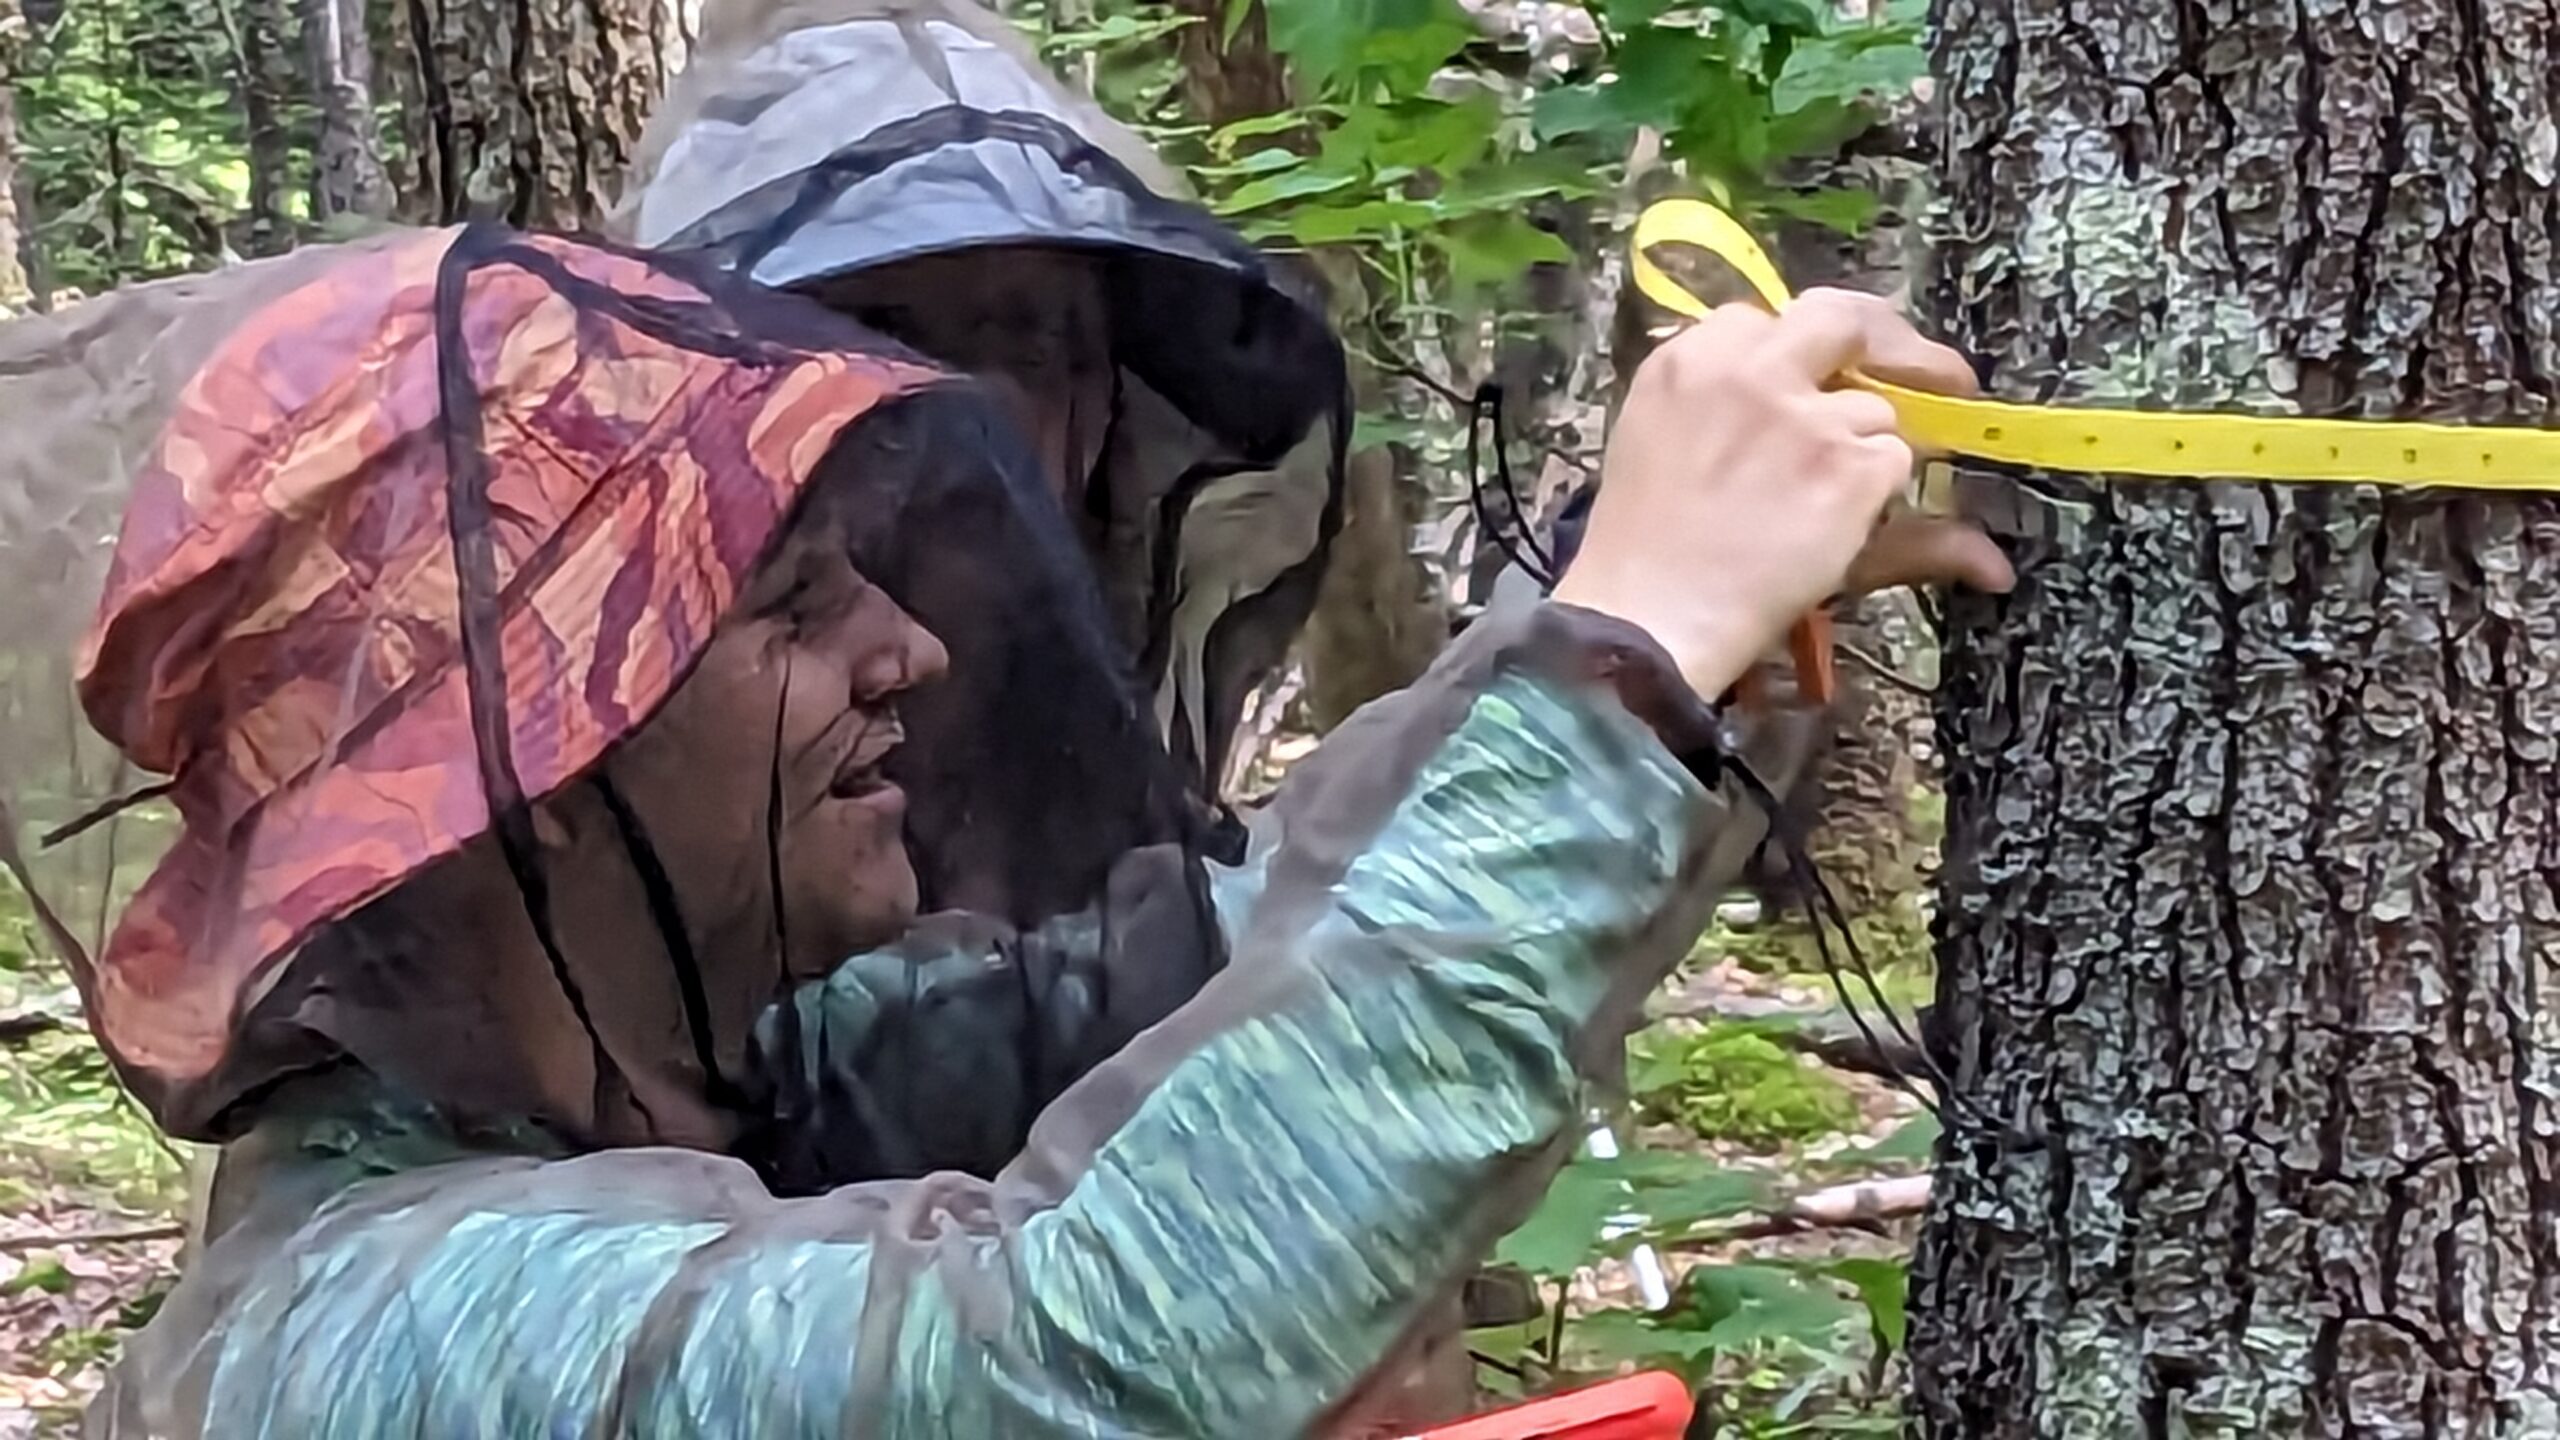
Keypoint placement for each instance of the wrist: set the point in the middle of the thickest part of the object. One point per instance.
(1711, 642)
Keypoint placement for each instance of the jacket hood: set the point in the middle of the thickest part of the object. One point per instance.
(834, 146)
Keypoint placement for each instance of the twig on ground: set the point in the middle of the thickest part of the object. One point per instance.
(15, 1028)
(13, 1244)
(1883, 1055)
(1864, 1205)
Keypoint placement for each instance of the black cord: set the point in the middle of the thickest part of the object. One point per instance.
(475, 563)
(1516, 536)
(658, 891)
(1826, 918)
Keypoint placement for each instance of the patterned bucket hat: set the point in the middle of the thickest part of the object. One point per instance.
(285, 622)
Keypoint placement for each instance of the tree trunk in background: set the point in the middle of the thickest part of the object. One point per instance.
(2249, 924)
(1376, 623)
(525, 111)
(1858, 811)
(347, 174)
(15, 295)
(1225, 81)
(1862, 840)
(263, 80)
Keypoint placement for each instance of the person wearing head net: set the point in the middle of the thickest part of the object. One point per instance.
(565, 660)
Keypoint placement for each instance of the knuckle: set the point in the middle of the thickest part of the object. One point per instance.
(1869, 412)
(1703, 354)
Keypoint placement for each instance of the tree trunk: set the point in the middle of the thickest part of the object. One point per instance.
(1225, 81)
(1376, 623)
(526, 110)
(1862, 840)
(2248, 926)
(1858, 810)
(347, 174)
(15, 295)
(263, 83)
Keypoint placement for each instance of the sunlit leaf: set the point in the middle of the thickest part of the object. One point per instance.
(1270, 190)
(1369, 219)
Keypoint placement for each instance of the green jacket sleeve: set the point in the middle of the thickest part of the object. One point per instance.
(1220, 1231)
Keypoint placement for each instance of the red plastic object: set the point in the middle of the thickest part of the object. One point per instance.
(1651, 1406)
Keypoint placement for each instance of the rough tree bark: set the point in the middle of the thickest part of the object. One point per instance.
(2249, 926)
(525, 110)
(347, 174)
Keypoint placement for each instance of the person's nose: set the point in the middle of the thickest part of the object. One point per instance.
(913, 656)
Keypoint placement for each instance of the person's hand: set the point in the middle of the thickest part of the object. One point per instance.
(1743, 486)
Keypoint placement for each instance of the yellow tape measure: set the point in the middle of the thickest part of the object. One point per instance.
(2134, 442)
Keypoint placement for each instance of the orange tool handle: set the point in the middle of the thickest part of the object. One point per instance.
(1817, 669)
(1651, 1406)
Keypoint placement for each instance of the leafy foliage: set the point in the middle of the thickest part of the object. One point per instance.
(69, 1121)
(1423, 138)
(137, 150)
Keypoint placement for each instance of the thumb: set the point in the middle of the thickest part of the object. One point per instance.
(1914, 549)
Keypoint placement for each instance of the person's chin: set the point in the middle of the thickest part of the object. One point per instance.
(856, 887)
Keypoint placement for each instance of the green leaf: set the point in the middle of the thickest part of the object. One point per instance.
(1885, 1287)
(1661, 74)
(1847, 211)
(1257, 126)
(1563, 1234)
(41, 1272)
(1720, 1195)
(1744, 1305)
(1270, 190)
(1794, 16)
(1836, 69)
(1493, 249)
(1347, 224)
(1630, 16)
(1261, 162)
(1623, 1337)
(1237, 11)
(1915, 1142)
(1394, 44)
(1433, 134)
(1548, 175)
(1816, 128)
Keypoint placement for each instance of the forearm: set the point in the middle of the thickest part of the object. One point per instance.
(1217, 1232)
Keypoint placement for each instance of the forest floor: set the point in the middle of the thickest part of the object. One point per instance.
(91, 1200)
